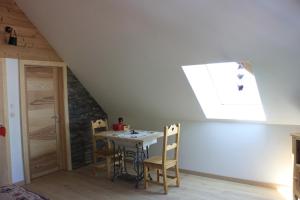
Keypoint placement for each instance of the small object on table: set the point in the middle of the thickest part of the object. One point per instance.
(126, 127)
(120, 126)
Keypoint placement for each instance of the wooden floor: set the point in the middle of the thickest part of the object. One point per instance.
(82, 185)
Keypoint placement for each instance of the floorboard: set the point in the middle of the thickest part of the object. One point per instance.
(82, 185)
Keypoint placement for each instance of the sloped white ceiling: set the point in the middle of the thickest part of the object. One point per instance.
(129, 53)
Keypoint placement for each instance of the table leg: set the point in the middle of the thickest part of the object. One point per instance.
(137, 167)
(138, 156)
(114, 159)
(147, 151)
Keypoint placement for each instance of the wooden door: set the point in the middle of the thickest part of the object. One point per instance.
(42, 99)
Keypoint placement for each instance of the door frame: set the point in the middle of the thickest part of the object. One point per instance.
(5, 119)
(66, 135)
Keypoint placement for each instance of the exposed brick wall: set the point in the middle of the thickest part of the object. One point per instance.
(82, 109)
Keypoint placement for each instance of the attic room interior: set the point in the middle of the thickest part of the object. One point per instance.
(138, 99)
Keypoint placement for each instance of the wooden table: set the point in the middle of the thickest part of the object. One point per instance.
(130, 145)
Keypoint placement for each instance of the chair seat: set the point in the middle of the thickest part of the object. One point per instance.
(156, 161)
(103, 153)
(99, 165)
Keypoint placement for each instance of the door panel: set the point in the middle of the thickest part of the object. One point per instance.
(42, 109)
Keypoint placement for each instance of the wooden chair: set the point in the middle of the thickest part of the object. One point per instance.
(105, 151)
(162, 163)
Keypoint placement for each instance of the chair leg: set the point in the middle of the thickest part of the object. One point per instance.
(165, 181)
(145, 176)
(157, 175)
(108, 166)
(177, 176)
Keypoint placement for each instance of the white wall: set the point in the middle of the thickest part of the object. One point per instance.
(250, 151)
(12, 68)
(131, 57)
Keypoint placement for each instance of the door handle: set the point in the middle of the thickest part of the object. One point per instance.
(56, 118)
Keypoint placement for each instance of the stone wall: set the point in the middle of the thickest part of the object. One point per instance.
(82, 109)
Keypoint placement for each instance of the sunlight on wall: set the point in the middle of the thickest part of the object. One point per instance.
(216, 88)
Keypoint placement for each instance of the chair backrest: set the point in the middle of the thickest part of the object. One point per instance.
(170, 131)
(99, 125)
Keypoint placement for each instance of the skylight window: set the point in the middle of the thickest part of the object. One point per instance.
(226, 91)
